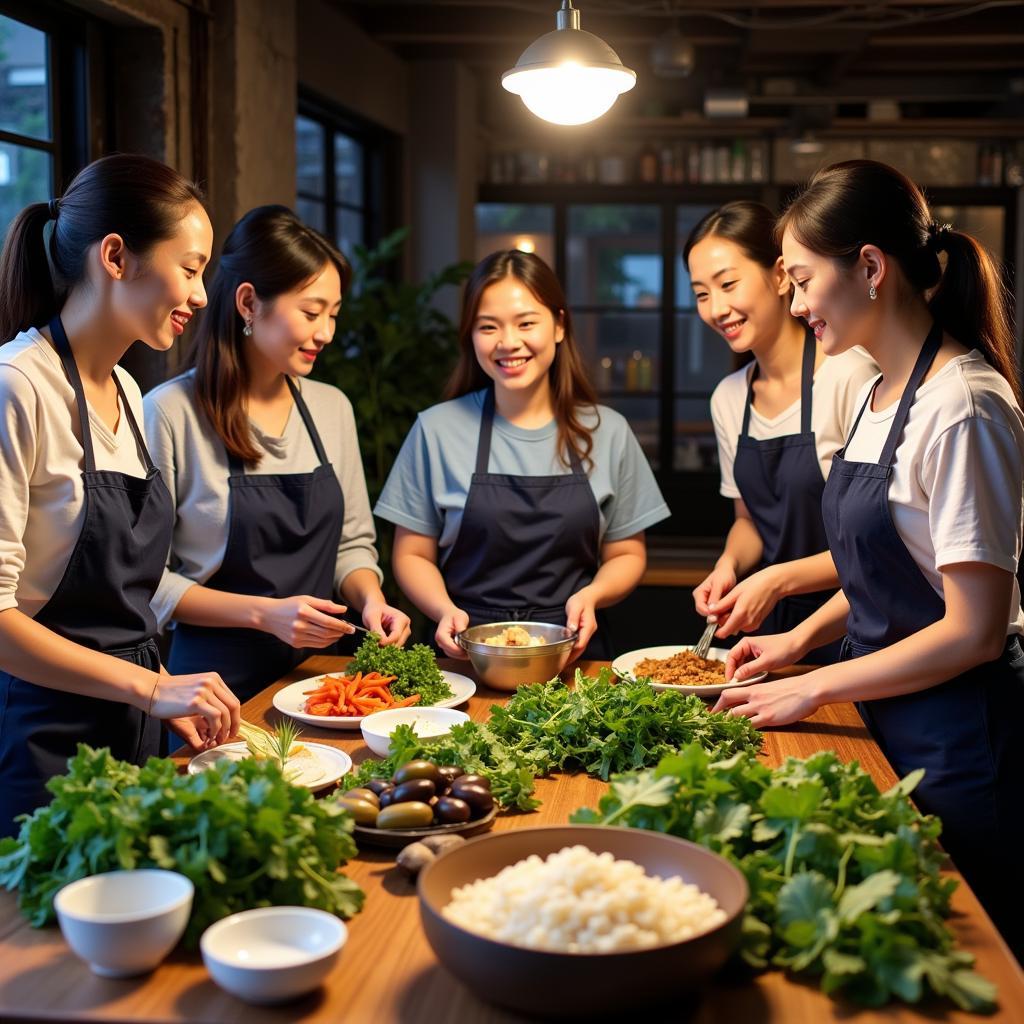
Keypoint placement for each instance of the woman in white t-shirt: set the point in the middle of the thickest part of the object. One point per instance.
(923, 511)
(778, 420)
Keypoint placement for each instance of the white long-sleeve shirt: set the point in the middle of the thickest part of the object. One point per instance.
(41, 463)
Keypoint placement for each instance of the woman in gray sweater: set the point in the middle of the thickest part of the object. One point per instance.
(273, 522)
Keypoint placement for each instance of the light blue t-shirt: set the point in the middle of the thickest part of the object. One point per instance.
(427, 487)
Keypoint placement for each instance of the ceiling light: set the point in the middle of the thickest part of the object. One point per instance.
(672, 56)
(569, 76)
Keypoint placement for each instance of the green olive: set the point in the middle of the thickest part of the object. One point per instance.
(362, 811)
(411, 814)
(363, 793)
(417, 770)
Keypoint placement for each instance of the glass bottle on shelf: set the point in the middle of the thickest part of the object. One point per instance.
(721, 163)
(707, 164)
(738, 164)
(633, 371)
(604, 374)
(758, 168)
(588, 168)
(644, 373)
(668, 173)
(647, 165)
(693, 163)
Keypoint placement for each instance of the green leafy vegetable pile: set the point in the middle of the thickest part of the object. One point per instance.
(844, 880)
(472, 746)
(415, 668)
(242, 834)
(602, 726)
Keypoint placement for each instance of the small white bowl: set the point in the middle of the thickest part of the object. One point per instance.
(273, 953)
(124, 923)
(430, 723)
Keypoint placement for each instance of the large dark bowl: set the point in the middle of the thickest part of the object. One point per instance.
(545, 984)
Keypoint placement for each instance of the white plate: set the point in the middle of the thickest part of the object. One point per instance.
(625, 664)
(291, 699)
(326, 766)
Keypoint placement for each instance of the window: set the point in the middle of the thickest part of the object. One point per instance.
(344, 176)
(26, 126)
(43, 94)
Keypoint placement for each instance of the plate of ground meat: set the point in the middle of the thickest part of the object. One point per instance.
(676, 667)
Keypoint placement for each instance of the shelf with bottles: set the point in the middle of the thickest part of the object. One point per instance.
(1001, 162)
(740, 161)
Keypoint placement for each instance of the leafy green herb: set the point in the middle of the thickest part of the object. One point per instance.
(242, 834)
(603, 726)
(472, 746)
(844, 880)
(415, 668)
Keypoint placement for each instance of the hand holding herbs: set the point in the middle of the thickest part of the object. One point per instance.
(414, 668)
(239, 831)
(602, 726)
(844, 880)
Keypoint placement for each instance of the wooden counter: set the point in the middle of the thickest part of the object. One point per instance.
(387, 972)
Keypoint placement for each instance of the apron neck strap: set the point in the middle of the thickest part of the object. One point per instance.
(925, 359)
(67, 358)
(807, 381)
(483, 447)
(237, 466)
(806, 387)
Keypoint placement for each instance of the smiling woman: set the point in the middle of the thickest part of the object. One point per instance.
(273, 520)
(519, 498)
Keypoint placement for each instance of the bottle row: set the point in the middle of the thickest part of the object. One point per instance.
(739, 161)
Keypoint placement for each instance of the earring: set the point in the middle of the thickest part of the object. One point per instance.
(872, 293)
(247, 329)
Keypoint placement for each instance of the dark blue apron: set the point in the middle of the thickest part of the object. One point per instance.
(781, 484)
(963, 732)
(526, 544)
(283, 534)
(102, 602)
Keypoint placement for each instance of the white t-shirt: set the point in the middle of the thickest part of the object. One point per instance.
(836, 383)
(41, 463)
(957, 487)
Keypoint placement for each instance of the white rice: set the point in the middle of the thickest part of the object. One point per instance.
(577, 901)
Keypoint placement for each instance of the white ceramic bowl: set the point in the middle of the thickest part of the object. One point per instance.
(124, 923)
(430, 723)
(273, 953)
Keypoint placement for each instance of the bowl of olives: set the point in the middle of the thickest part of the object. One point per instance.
(420, 799)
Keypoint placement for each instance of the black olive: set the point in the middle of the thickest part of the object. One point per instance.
(479, 799)
(386, 796)
(470, 780)
(377, 786)
(420, 790)
(450, 772)
(450, 810)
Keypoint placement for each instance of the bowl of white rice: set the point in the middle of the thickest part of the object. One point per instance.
(580, 920)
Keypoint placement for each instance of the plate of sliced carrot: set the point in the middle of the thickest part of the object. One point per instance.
(338, 701)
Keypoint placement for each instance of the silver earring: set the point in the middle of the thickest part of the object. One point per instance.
(247, 329)
(872, 294)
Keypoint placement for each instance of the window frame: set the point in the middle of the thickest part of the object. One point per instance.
(380, 172)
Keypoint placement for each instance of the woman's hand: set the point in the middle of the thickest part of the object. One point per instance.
(304, 621)
(754, 654)
(779, 702)
(452, 622)
(580, 614)
(719, 582)
(743, 608)
(391, 624)
(202, 695)
(194, 731)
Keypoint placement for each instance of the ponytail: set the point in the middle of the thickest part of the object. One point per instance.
(972, 303)
(861, 202)
(27, 293)
(136, 197)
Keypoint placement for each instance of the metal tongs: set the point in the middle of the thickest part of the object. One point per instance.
(704, 644)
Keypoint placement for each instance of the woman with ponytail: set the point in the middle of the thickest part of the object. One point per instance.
(85, 518)
(272, 518)
(923, 512)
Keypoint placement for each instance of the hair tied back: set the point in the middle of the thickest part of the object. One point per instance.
(938, 235)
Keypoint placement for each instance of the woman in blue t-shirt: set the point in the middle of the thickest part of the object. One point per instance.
(519, 497)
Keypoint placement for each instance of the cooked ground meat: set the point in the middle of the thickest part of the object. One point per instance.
(682, 669)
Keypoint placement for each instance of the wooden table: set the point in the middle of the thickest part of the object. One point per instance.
(387, 972)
